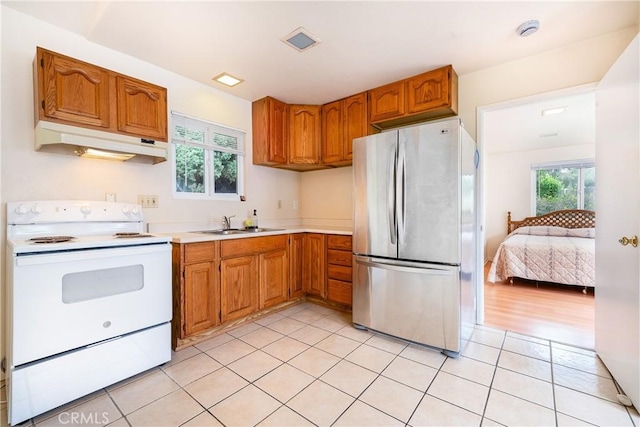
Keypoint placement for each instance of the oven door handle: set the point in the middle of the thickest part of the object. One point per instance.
(91, 254)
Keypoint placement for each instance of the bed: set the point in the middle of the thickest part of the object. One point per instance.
(558, 247)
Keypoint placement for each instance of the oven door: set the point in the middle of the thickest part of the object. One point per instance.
(66, 300)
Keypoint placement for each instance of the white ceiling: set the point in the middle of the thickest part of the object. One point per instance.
(364, 44)
(523, 127)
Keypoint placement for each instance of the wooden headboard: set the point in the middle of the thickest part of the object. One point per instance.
(569, 218)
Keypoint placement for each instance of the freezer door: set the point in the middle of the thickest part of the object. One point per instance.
(428, 194)
(374, 176)
(416, 304)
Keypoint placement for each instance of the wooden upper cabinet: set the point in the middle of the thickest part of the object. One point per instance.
(142, 108)
(429, 91)
(76, 93)
(356, 124)
(429, 95)
(332, 132)
(270, 132)
(386, 102)
(304, 135)
(342, 121)
(72, 91)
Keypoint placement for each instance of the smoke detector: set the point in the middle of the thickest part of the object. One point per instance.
(527, 28)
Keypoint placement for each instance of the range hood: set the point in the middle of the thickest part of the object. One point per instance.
(64, 139)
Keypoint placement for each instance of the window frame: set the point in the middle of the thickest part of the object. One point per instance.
(580, 164)
(208, 128)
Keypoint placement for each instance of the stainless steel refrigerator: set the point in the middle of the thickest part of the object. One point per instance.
(414, 234)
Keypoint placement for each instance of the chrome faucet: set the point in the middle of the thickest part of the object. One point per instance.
(226, 222)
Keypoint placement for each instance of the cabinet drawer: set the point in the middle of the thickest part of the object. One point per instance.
(340, 272)
(336, 241)
(339, 257)
(340, 292)
(252, 245)
(199, 252)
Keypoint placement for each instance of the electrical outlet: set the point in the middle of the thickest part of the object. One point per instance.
(295, 205)
(148, 200)
(110, 197)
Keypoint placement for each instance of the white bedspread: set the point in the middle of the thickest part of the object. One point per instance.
(547, 258)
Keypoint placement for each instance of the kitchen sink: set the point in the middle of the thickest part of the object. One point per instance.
(239, 231)
(222, 232)
(261, 230)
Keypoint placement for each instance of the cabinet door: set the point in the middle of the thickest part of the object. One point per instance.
(332, 133)
(274, 278)
(386, 102)
(72, 90)
(304, 135)
(355, 122)
(295, 283)
(314, 264)
(142, 108)
(429, 91)
(238, 287)
(270, 123)
(201, 297)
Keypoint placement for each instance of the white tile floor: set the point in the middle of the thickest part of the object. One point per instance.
(307, 365)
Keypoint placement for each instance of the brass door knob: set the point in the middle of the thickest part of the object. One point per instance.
(626, 240)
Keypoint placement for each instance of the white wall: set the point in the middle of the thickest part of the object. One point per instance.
(30, 175)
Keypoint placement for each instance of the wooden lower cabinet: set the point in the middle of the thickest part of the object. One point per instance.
(313, 262)
(274, 278)
(339, 269)
(196, 288)
(201, 301)
(221, 281)
(296, 288)
(238, 287)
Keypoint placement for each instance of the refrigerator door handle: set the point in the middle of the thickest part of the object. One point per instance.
(391, 198)
(401, 184)
(396, 267)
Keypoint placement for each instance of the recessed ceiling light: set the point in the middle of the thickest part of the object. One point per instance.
(554, 110)
(527, 28)
(301, 39)
(227, 79)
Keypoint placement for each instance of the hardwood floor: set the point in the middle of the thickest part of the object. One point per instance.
(554, 312)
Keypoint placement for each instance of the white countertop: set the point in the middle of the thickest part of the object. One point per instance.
(193, 237)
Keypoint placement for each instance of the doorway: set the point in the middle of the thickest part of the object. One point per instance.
(514, 136)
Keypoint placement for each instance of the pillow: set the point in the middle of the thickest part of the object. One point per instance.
(548, 230)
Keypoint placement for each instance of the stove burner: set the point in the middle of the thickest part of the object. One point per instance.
(51, 239)
(130, 235)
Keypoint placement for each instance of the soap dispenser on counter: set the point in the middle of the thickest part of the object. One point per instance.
(254, 219)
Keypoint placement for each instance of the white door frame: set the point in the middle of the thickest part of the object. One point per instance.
(480, 200)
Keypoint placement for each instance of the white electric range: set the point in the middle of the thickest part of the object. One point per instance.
(89, 300)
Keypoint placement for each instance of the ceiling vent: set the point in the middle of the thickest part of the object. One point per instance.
(301, 39)
(527, 28)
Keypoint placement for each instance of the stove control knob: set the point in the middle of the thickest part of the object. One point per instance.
(85, 209)
(36, 209)
(21, 210)
(134, 210)
(125, 209)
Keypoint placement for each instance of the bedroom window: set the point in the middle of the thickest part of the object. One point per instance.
(564, 185)
(208, 159)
